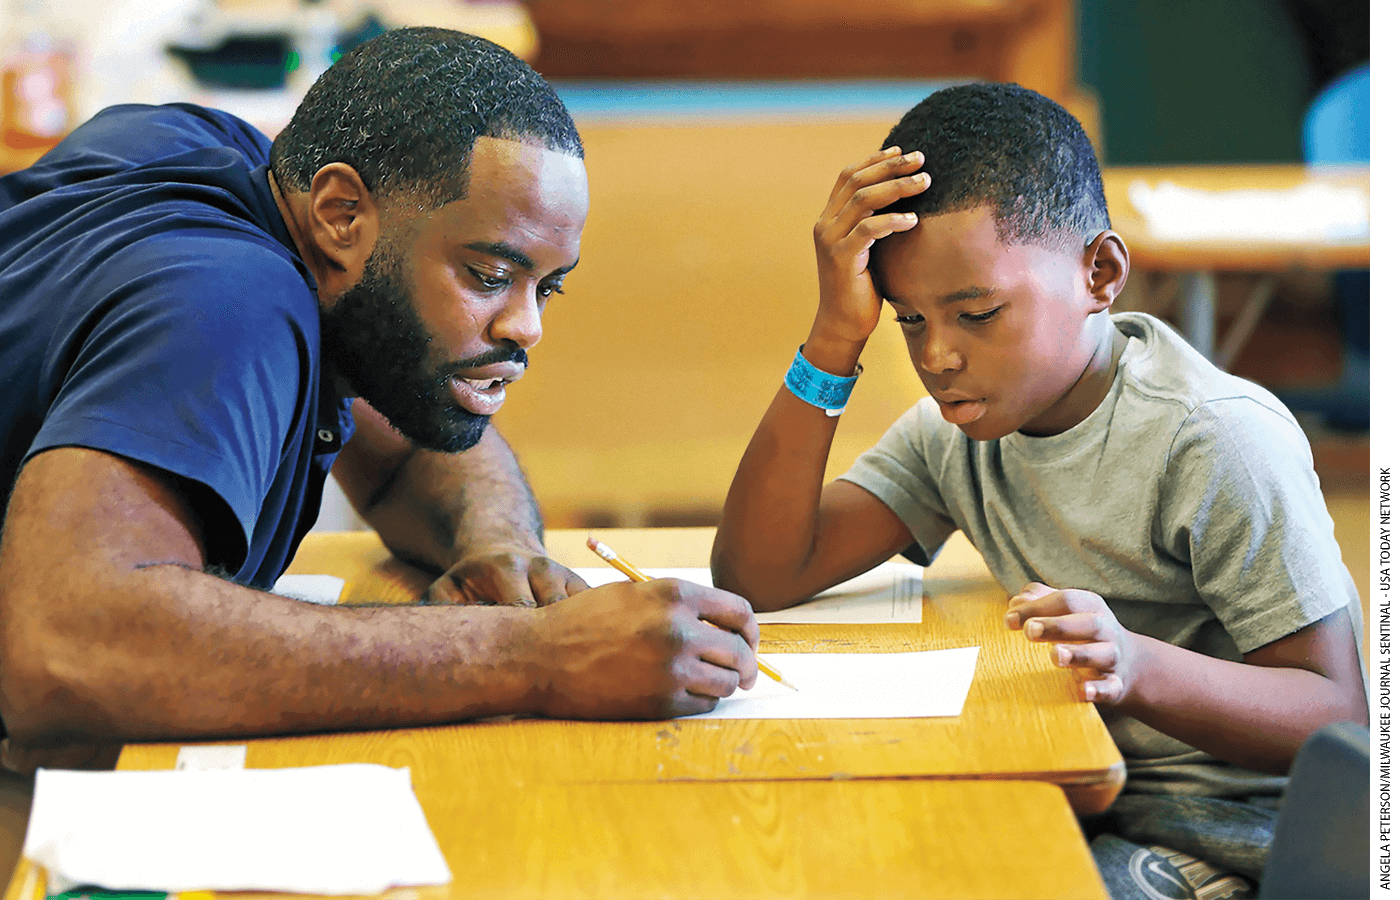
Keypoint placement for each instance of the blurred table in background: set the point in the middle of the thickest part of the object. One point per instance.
(1194, 261)
(1030, 42)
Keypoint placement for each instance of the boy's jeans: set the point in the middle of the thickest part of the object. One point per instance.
(1154, 847)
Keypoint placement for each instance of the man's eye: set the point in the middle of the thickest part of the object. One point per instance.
(488, 281)
(549, 290)
(911, 319)
(979, 318)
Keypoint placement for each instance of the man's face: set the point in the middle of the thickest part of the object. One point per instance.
(998, 333)
(450, 301)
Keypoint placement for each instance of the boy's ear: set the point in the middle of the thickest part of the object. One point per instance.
(1106, 268)
(343, 219)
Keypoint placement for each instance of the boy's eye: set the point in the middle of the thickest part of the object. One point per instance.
(979, 318)
(911, 319)
(549, 290)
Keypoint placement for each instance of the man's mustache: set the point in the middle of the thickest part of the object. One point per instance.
(508, 352)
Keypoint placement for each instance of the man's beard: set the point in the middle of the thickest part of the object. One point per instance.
(377, 342)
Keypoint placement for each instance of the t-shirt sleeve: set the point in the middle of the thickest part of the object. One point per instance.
(196, 363)
(1242, 504)
(899, 471)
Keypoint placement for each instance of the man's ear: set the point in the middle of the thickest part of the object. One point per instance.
(344, 218)
(1105, 268)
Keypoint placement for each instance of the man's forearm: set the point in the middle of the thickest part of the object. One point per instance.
(180, 654)
(439, 507)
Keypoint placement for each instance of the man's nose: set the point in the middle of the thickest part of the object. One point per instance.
(519, 319)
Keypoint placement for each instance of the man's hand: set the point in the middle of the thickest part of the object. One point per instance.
(657, 649)
(1086, 634)
(505, 576)
(850, 306)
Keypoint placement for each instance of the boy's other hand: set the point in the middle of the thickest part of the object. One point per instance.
(849, 308)
(1085, 634)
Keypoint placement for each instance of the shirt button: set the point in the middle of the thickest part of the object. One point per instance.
(324, 436)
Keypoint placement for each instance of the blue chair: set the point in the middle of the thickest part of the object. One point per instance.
(1337, 126)
(1337, 130)
(1322, 841)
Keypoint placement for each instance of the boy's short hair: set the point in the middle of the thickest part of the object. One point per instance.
(404, 109)
(1003, 146)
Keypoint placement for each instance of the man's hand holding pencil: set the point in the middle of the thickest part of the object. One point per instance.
(637, 575)
(657, 649)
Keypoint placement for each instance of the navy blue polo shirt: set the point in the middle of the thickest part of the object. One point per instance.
(152, 305)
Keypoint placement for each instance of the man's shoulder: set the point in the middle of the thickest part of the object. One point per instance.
(219, 276)
(138, 133)
(127, 159)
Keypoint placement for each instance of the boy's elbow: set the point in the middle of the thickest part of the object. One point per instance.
(763, 594)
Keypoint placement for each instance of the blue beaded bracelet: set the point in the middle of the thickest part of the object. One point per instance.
(821, 389)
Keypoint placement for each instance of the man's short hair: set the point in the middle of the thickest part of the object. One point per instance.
(404, 109)
(1003, 146)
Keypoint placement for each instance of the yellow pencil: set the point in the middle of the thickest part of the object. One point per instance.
(635, 574)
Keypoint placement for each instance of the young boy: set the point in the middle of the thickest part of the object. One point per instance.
(1156, 521)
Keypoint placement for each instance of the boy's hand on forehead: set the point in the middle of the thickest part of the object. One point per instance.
(1086, 637)
(849, 226)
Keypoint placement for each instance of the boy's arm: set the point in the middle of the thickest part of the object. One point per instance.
(469, 515)
(1254, 713)
(781, 537)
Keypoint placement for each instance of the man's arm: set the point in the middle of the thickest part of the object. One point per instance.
(1254, 713)
(110, 631)
(469, 515)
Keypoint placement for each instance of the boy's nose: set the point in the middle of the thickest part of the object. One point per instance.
(940, 356)
(519, 319)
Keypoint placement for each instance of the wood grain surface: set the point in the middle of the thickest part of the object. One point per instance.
(743, 808)
(1021, 719)
(814, 839)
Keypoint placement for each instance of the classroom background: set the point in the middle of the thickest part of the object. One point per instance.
(713, 133)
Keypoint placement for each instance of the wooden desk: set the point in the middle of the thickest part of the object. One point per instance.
(882, 839)
(1021, 719)
(1195, 261)
(744, 808)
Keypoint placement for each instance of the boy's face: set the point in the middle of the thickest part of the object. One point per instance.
(999, 334)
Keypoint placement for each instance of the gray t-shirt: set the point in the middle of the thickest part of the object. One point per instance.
(1187, 500)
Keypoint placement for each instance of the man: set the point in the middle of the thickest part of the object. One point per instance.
(181, 327)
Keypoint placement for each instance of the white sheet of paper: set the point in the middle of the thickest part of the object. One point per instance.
(892, 592)
(350, 829)
(1306, 212)
(322, 589)
(211, 756)
(857, 686)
